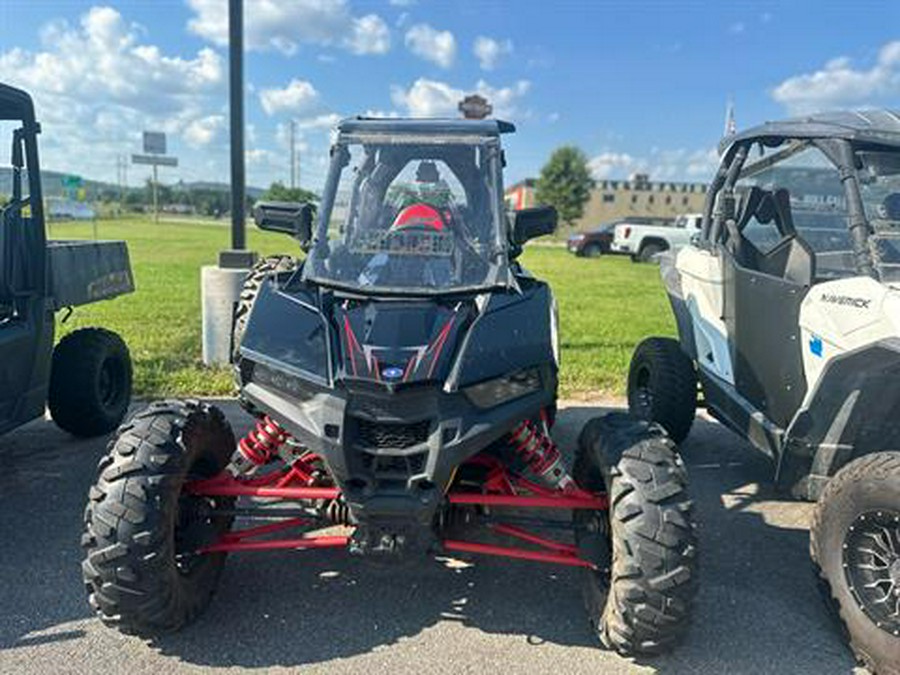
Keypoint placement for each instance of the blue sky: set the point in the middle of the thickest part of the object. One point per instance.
(637, 85)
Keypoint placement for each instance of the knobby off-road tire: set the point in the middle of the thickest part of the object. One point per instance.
(140, 526)
(855, 548)
(662, 386)
(639, 599)
(90, 382)
(255, 277)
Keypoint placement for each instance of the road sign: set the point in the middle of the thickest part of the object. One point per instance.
(475, 107)
(156, 160)
(154, 143)
(71, 181)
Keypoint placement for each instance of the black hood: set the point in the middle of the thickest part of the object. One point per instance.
(399, 342)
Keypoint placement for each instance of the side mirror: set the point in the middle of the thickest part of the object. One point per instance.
(531, 223)
(286, 217)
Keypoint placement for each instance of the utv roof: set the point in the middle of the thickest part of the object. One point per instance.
(875, 126)
(424, 126)
(15, 104)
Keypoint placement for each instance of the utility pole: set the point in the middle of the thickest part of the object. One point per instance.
(293, 155)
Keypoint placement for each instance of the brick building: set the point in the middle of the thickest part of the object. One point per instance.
(613, 199)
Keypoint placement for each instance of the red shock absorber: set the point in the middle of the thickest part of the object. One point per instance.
(258, 446)
(541, 455)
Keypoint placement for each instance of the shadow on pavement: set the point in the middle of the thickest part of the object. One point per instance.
(757, 609)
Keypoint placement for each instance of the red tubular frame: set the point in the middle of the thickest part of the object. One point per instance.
(500, 489)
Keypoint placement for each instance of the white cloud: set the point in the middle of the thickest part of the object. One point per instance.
(299, 97)
(553, 117)
(97, 84)
(433, 98)
(671, 165)
(607, 164)
(204, 130)
(840, 84)
(737, 27)
(437, 46)
(370, 35)
(284, 25)
(403, 3)
(325, 121)
(489, 51)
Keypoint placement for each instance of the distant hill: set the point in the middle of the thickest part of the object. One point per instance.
(53, 185)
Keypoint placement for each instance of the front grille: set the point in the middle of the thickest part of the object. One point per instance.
(391, 435)
(394, 466)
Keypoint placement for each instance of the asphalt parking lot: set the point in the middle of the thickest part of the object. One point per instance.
(758, 610)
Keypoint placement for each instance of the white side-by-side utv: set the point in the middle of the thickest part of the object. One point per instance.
(788, 314)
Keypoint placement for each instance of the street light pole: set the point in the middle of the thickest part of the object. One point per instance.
(236, 92)
(221, 284)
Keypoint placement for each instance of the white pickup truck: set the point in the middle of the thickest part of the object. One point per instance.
(642, 242)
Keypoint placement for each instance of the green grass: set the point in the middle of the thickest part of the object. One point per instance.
(606, 305)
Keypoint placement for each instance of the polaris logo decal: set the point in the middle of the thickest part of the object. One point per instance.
(392, 373)
(846, 300)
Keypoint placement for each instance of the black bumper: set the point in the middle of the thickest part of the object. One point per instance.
(393, 453)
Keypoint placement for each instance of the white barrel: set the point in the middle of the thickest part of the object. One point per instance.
(220, 292)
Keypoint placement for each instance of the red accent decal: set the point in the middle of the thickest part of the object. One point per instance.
(439, 344)
(351, 340)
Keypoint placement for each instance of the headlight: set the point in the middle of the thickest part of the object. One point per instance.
(504, 389)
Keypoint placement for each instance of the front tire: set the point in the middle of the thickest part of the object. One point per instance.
(662, 386)
(90, 382)
(593, 251)
(639, 599)
(142, 530)
(855, 548)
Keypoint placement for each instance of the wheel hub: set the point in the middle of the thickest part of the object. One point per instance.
(871, 560)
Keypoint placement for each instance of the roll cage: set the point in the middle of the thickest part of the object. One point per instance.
(839, 137)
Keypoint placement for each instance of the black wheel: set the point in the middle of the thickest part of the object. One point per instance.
(855, 547)
(263, 268)
(648, 251)
(142, 530)
(662, 386)
(640, 596)
(90, 382)
(592, 251)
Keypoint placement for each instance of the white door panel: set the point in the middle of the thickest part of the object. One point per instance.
(701, 285)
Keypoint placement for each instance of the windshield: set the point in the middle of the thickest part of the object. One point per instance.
(410, 215)
(879, 187)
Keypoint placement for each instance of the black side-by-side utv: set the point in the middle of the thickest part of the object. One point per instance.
(86, 379)
(403, 376)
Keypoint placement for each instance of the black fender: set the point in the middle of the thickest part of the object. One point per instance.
(854, 411)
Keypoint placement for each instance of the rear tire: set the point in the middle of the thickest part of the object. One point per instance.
(639, 599)
(855, 548)
(274, 264)
(141, 528)
(662, 386)
(647, 252)
(90, 382)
